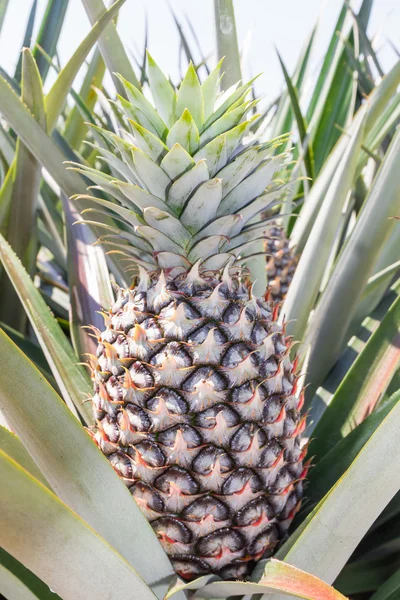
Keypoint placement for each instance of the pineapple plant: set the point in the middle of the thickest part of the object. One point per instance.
(195, 394)
(194, 462)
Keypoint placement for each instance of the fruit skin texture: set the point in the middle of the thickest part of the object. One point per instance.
(281, 262)
(196, 404)
(195, 394)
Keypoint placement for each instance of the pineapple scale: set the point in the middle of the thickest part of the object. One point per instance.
(281, 262)
(197, 411)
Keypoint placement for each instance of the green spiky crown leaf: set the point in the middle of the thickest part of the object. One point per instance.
(187, 190)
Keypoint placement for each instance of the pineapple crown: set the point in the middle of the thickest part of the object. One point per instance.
(182, 187)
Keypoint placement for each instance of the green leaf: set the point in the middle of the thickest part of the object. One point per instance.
(40, 144)
(364, 576)
(227, 42)
(331, 467)
(112, 49)
(56, 97)
(162, 91)
(336, 111)
(37, 587)
(301, 123)
(335, 310)
(306, 283)
(32, 351)
(22, 228)
(7, 145)
(12, 445)
(148, 142)
(32, 517)
(382, 273)
(189, 97)
(363, 385)
(381, 542)
(176, 162)
(27, 40)
(390, 590)
(283, 118)
(139, 105)
(37, 141)
(49, 33)
(71, 378)
(185, 133)
(13, 588)
(178, 585)
(276, 577)
(377, 106)
(383, 276)
(327, 538)
(78, 472)
(356, 344)
(75, 127)
(328, 64)
(3, 10)
(209, 90)
(183, 39)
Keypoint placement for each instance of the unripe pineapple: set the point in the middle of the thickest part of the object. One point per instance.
(281, 262)
(195, 392)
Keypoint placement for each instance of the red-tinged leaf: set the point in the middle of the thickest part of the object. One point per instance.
(364, 384)
(277, 577)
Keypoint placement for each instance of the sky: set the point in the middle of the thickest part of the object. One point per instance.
(262, 26)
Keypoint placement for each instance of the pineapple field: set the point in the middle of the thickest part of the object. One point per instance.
(199, 313)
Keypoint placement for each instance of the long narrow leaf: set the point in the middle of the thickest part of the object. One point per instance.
(300, 122)
(12, 445)
(27, 40)
(29, 579)
(283, 118)
(13, 588)
(71, 378)
(32, 351)
(335, 310)
(377, 103)
(22, 228)
(335, 462)
(227, 42)
(78, 472)
(3, 10)
(32, 517)
(355, 346)
(38, 142)
(328, 62)
(75, 127)
(278, 577)
(390, 590)
(324, 542)
(49, 33)
(309, 273)
(363, 576)
(112, 48)
(364, 384)
(58, 93)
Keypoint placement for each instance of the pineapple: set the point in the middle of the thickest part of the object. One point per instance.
(194, 389)
(281, 262)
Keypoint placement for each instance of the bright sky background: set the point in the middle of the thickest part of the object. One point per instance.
(261, 24)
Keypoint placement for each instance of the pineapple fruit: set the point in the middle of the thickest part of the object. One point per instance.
(281, 262)
(194, 389)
